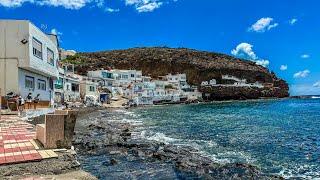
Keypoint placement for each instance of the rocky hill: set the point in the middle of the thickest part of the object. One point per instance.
(198, 65)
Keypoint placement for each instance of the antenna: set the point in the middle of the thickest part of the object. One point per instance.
(44, 27)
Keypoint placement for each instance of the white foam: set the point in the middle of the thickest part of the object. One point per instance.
(238, 155)
(159, 137)
(309, 172)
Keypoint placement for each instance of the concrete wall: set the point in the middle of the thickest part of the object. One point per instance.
(12, 32)
(36, 63)
(44, 95)
(85, 89)
(9, 76)
(15, 55)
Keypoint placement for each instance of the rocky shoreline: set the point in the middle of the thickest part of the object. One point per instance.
(55, 168)
(99, 134)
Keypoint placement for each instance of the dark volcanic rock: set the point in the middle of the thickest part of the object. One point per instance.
(198, 65)
(103, 137)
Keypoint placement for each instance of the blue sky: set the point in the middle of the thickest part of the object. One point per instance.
(282, 35)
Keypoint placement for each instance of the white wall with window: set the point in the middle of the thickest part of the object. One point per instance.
(42, 85)
(50, 57)
(43, 52)
(37, 48)
(33, 57)
(30, 82)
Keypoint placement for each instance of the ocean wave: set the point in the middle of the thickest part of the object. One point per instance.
(300, 171)
(238, 156)
(126, 112)
(159, 137)
(198, 145)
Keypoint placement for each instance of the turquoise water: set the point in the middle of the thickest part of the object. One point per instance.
(279, 136)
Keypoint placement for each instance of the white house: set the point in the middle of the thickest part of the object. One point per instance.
(71, 87)
(238, 80)
(117, 81)
(89, 88)
(126, 77)
(59, 87)
(106, 76)
(178, 80)
(204, 83)
(27, 60)
(160, 92)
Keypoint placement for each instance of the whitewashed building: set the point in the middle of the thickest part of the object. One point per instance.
(28, 60)
(89, 88)
(117, 81)
(67, 86)
(178, 80)
(106, 76)
(71, 88)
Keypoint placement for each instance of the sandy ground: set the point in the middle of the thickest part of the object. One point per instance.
(116, 104)
(76, 175)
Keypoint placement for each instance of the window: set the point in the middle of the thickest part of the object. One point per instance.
(42, 84)
(50, 56)
(29, 82)
(59, 83)
(74, 87)
(125, 76)
(132, 75)
(91, 89)
(51, 84)
(107, 75)
(37, 48)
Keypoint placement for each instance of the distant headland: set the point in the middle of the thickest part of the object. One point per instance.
(218, 76)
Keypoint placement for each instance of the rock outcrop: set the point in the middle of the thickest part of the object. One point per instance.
(120, 143)
(198, 65)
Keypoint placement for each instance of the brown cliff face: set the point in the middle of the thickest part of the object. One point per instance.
(198, 65)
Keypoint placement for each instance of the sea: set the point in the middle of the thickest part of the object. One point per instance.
(279, 136)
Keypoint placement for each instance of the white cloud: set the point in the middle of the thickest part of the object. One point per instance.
(111, 10)
(100, 3)
(273, 26)
(283, 67)
(149, 7)
(144, 5)
(13, 3)
(305, 56)
(244, 50)
(317, 84)
(140, 5)
(263, 25)
(55, 32)
(293, 21)
(302, 74)
(303, 89)
(68, 4)
(263, 63)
